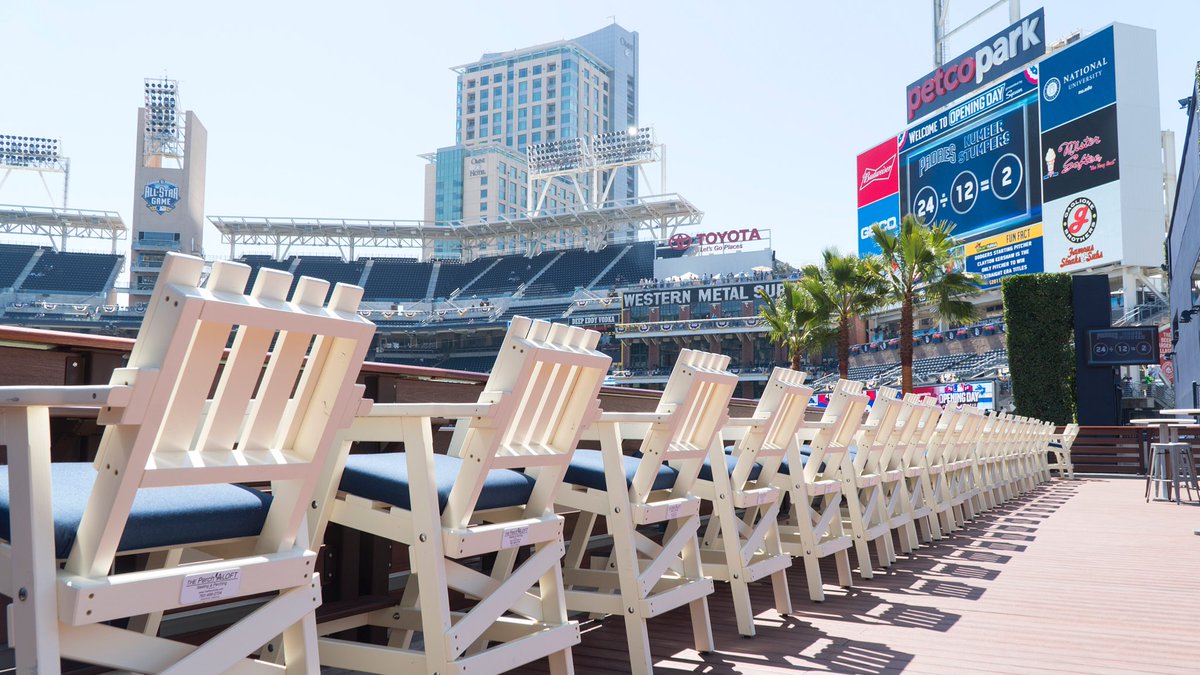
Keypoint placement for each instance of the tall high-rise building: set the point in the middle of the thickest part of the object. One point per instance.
(508, 101)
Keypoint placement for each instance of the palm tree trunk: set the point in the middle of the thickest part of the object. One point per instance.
(906, 343)
(843, 348)
(795, 356)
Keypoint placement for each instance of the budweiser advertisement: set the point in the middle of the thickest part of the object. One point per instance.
(878, 193)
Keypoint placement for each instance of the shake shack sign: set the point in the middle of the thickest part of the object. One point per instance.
(699, 294)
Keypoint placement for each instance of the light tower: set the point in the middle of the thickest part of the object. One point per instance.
(168, 204)
(37, 154)
(590, 163)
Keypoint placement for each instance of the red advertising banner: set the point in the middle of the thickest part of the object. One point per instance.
(877, 174)
(1164, 348)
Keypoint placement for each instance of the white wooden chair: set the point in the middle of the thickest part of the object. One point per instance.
(889, 462)
(965, 485)
(939, 457)
(742, 550)
(642, 578)
(163, 478)
(474, 501)
(919, 485)
(1059, 448)
(865, 508)
(811, 474)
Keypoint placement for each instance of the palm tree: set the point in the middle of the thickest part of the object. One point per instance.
(917, 268)
(794, 321)
(843, 287)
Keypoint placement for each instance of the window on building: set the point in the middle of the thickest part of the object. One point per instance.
(537, 96)
(503, 167)
(551, 67)
(483, 106)
(483, 180)
(483, 206)
(470, 83)
(537, 70)
(537, 135)
(497, 92)
(499, 77)
(524, 72)
(483, 81)
(483, 194)
(522, 125)
(537, 83)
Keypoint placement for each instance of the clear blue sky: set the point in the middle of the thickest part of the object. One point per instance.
(320, 109)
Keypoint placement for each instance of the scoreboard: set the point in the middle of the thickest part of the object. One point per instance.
(971, 165)
(977, 166)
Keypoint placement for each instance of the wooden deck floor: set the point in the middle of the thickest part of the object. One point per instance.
(1077, 577)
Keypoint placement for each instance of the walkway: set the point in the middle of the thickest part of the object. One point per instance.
(1056, 582)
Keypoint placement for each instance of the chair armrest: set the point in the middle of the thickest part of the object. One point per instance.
(66, 396)
(750, 422)
(633, 417)
(446, 410)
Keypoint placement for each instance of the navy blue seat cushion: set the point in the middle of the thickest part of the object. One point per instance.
(806, 452)
(706, 472)
(587, 469)
(383, 477)
(1054, 444)
(161, 517)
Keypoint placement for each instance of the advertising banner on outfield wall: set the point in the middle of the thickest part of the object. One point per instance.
(977, 393)
(878, 194)
(1080, 166)
(983, 64)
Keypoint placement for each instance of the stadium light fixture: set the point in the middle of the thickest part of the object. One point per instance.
(29, 152)
(162, 129)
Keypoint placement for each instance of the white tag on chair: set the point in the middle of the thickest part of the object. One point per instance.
(515, 536)
(210, 586)
(673, 510)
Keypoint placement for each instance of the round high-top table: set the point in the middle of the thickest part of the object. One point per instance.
(1168, 432)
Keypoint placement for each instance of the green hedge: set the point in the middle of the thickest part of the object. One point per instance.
(1041, 351)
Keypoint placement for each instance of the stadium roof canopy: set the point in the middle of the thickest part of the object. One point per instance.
(542, 230)
(61, 224)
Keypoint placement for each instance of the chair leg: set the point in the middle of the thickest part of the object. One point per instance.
(300, 646)
(702, 634)
(32, 620)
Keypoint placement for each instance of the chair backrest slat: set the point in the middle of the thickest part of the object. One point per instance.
(174, 365)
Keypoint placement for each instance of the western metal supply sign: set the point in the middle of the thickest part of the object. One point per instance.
(688, 295)
(983, 64)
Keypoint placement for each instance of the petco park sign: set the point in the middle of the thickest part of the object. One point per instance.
(714, 242)
(1005, 51)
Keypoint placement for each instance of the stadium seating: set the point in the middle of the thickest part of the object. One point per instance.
(573, 270)
(534, 312)
(13, 259)
(508, 274)
(474, 364)
(330, 268)
(72, 273)
(396, 279)
(258, 261)
(453, 275)
(634, 266)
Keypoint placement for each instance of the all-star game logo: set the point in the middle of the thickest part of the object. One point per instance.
(161, 196)
(1079, 220)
